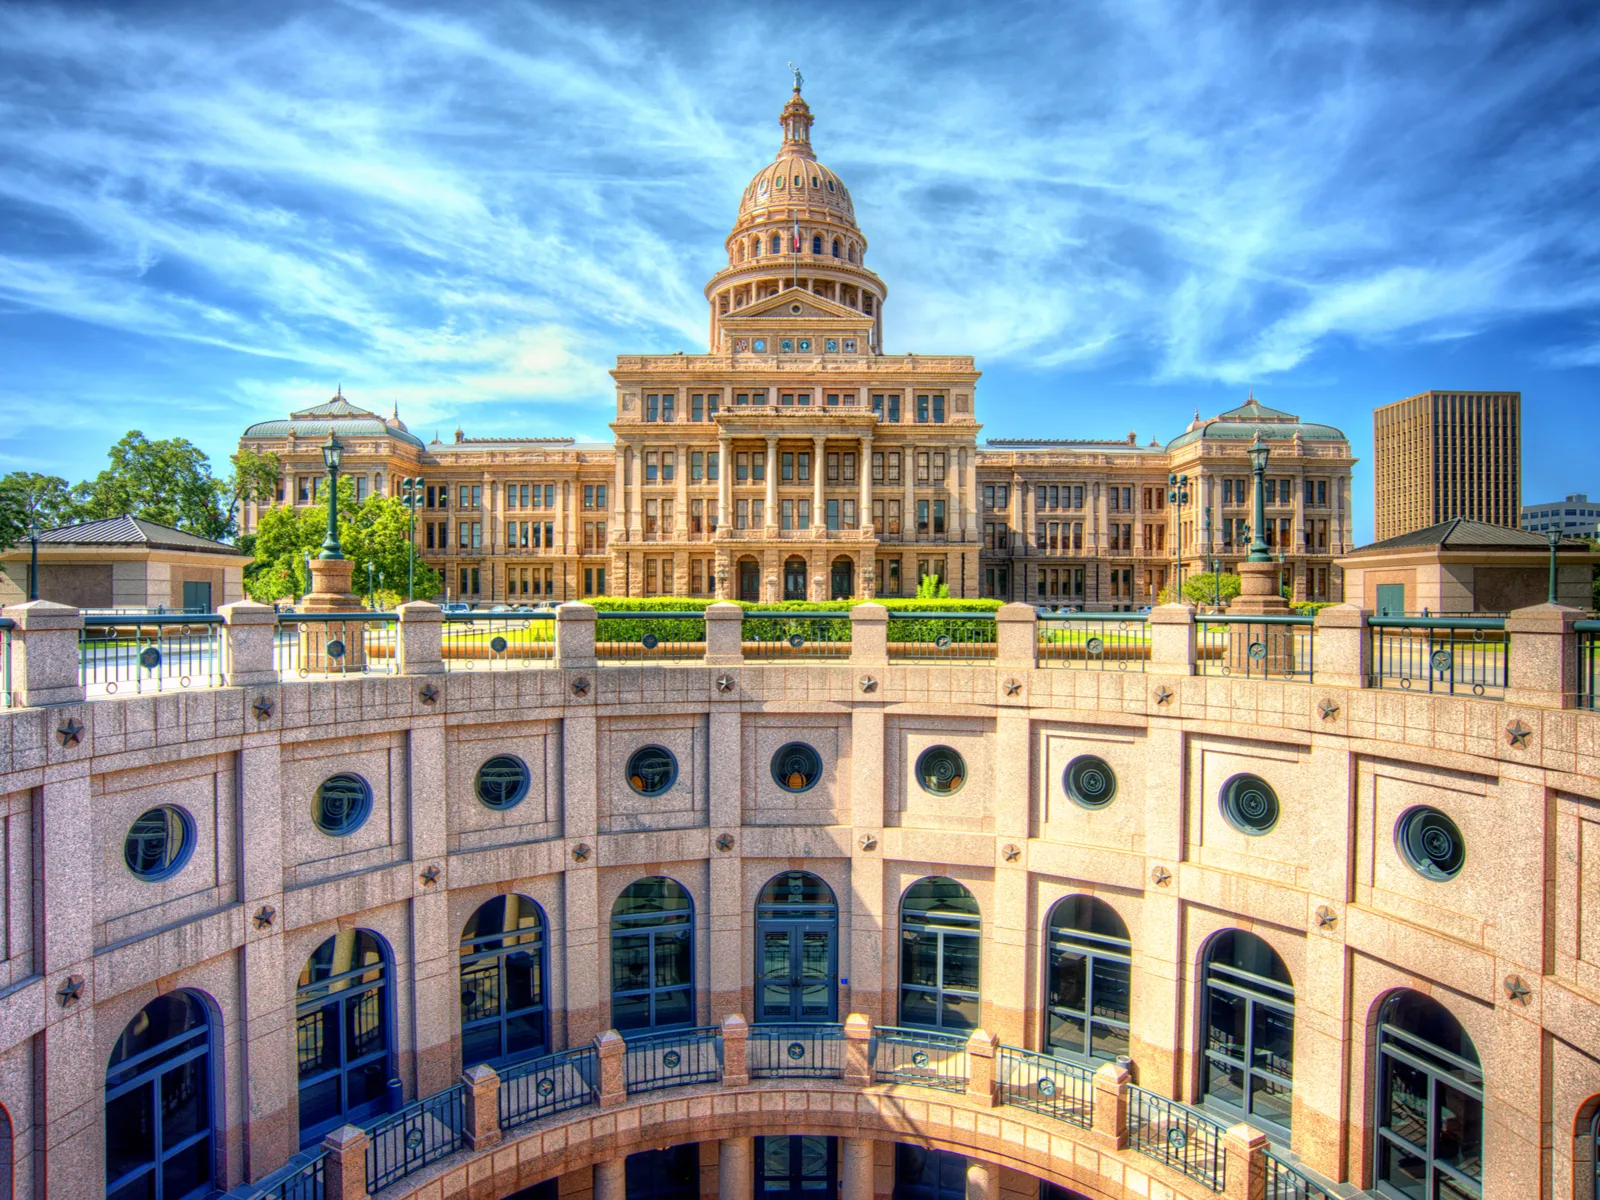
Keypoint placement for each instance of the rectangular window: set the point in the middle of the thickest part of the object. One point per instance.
(894, 518)
(922, 410)
(894, 466)
(877, 466)
(1041, 536)
(786, 507)
(652, 466)
(669, 461)
(652, 408)
(1077, 495)
(741, 514)
(787, 469)
(697, 407)
(849, 463)
(550, 533)
(697, 466)
(650, 577)
(1002, 495)
(758, 514)
(849, 516)
(938, 408)
(938, 466)
(877, 517)
(833, 514)
(922, 516)
(894, 409)
(430, 536)
(833, 466)
(697, 517)
(1272, 490)
(1322, 493)
(652, 517)
(877, 405)
(711, 464)
(833, 400)
(988, 496)
(713, 404)
(922, 466)
(803, 460)
(696, 576)
(741, 466)
(803, 514)
(464, 535)
(1055, 498)
(669, 406)
(758, 466)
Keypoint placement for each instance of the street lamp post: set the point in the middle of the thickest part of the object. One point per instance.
(33, 559)
(1178, 495)
(1258, 468)
(1553, 536)
(411, 497)
(371, 599)
(332, 454)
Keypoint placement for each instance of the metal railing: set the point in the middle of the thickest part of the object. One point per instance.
(1285, 1182)
(335, 645)
(672, 1059)
(415, 1136)
(791, 637)
(1093, 641)
(623, 636)
(816, 1051)
(306, 1183)
(924, 1057)
(1588, 663)
(7, 625)
(149, 653)
(1456, 655)
(548, 1085)
(497, 641)
(941, 637)
(1046, 1085)
(1276, 647)
(1178, 1136)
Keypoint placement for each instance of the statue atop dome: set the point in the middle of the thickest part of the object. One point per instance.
(798, 78)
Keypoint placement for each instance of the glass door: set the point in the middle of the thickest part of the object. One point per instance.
(796, 1168)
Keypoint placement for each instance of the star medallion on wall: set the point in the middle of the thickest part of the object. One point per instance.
(580, 686)
(724, 842)
(1163, 694)
(262, 707)
(264, 915)
(1161, 876)
(1519, 733)
(431, 876)
(868, 683)
(1516, 991)
(724, 682)
(868, 842)
(71, 990)
(1013, 686)
(1326, 917)
(581, 852)
(429, 693)
(71, 733)
(1011, 851)
(1328, 709)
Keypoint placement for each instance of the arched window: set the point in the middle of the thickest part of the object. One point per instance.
(777, 243)
(836, 247)
(342, 1040)
(1429, 1103)
(939, 935)
(159, 1103)
(852, 254)
(502, 983)
(652, 956)
(741, 251)
(797, 933)
(1248, 1066)
(816, 243)
(1087, 1007)
(755, 248)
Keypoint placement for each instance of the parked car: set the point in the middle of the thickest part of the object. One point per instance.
(457, 607)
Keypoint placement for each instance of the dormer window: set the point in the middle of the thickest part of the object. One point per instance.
(815, 182)
(830, 185)
(836, 247)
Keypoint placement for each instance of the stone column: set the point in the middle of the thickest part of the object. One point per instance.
(864, 479)
(772, 485)
(419, 641)
(855, 1168)
(819, 510)
(248, 634)
(1543, 667)
(969, 508)
(724, 482)
(983, 1181)
(575, 636)
(735, 1169)
(44, 654)
(680, 514)
(908, 512)
(1341, 649)
(635, 494)
(610, 1179)
(619, 497)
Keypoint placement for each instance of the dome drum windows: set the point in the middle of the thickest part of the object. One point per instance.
(502, 782)
(159, 843)
(1250, 805)
(1430, 843)
(1089, 781)
(941, 771)
(341, 805)
(796, 767)
(652, 770)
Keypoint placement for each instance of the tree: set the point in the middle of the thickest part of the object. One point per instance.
(28, 498)
(1202, 589)
(929, 588)
(168, 482)
(254, 479)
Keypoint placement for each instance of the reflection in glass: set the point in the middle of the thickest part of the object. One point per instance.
(1429, 1106)
(652, 956)
(1087, 1001)
(1248, 1065)
(342, 1033)
(502, 983)
(158, 1102)
(939, 955)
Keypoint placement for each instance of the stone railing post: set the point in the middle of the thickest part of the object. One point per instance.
(858, 1049)
(44, 654)
(1111, 1105)
(344, 1172)
(724, 634)
(420, 641)
(1171, 628)
(575, 636)
(735, 1048)
(249, 634)
(483, 1106)
(1246, 1174)
(1542, 670)
(609, 1048)
(869, 635)
(1341, 650)
(982, 1049)
(1016, 633)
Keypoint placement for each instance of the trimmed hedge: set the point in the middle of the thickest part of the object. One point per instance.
(693, 629)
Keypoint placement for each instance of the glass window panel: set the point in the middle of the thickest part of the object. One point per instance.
(1269, 1099)
(814, 956)
(367, 1084)
(775, 1001)
(1406, 1110)
(317, 1040)
(630, 1012)
(130, 1131)
(674, 1008)
(672, 959)
(479, 1044)
(1066, 1033)
(960, 1012)
(775, 954)
(1459, 1141)
(961, 962)
(814, 1000)
(918, 1007)
(1068, 979)
(1404, 1173)
(775, 1160)
(184, 1104)
(187, 1171)
(1109, 1041)
(319, 1102)
(1225, 1025)
(524, 1033)
(919, 960)
(1225, 1083)
(1272, 1044)
(1111, 989)
(142, 1188)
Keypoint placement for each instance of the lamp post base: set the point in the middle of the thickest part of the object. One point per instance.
(332, 647)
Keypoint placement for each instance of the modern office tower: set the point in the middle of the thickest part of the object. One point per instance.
(1576, 516)
(1445, 454)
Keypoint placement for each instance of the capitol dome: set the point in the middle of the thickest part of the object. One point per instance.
(795, 176)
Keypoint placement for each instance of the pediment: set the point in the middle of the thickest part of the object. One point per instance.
(811, 307)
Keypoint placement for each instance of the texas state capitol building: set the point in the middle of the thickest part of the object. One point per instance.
(799, 460)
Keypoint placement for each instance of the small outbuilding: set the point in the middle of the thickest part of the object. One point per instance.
(126, 563)
(1462, 566)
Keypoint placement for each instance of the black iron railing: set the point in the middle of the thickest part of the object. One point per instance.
(1588, 663)
(548, 1085)
(1276, 647)
(335, 645)
(415, 1136)
(924, 1057)
(118, 655)
(941, 637)
(1178, 1136)
(497, 641)
(1094, 641)
(672, 1059)
(816, 1051)
(643, 637)
(791, 637)
(301, 1183)
(1285, 1182)
(1046, 1085)
(1456, 655)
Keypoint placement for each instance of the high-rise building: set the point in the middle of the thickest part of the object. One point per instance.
(1576, 516)
(1445, 454)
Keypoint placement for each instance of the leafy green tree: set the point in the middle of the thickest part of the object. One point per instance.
(254, 479)
(1202, 589)
(28, 498)
(167, 481)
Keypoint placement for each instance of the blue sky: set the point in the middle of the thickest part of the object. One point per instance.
(211, 213)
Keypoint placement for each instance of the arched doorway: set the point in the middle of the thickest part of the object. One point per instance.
(342, 1033)
(1086, 1005)
(796, 1168)
(794, 579)
(939, 955)
(1429, 1117)
(843, 579)
(159, 1103)
(797, 933)
(652, 956)
(749, 579)
(1247, 1068)
(503, 983)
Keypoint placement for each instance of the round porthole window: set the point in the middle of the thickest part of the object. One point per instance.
(1090, 781)
(794, 308)
(341, 805)
(796, 767)
(1250, 804)
(941, 771)
(652, 770)
(1430, 843)
(159, 843)
(502, 781)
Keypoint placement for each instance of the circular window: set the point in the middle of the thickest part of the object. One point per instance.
(159, 843)
(796, 767)
(941, 771)
(1250, 804)
(341, 805)
(1090, 781)
(1430, 843)
(502, 782)
(794, 308)
(652, 770)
